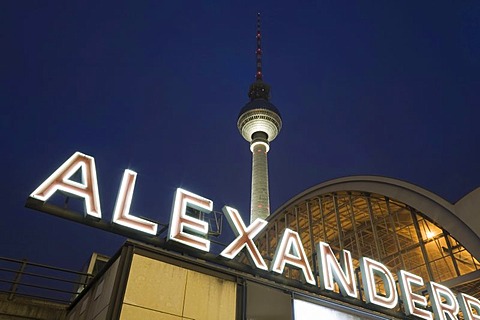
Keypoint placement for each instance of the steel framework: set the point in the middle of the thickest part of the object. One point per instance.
(375, 226)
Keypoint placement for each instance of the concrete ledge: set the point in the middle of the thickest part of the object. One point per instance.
(31, 308)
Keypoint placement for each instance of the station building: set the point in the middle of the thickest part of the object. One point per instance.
(402, 226)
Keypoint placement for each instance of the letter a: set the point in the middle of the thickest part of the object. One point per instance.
(290, 251)
(60, 181)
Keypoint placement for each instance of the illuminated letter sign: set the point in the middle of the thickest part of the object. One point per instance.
(411, 300)
(444, 304)
(244, 238)
(290, 250)
(180, 221)
(121, 214)
(369, 269)
(331, 270)
(188, 228)
(60, 180)
(467, 304)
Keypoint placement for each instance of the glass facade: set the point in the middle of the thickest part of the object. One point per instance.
(375, 226)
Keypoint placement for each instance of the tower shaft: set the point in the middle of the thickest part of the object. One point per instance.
(260, 199)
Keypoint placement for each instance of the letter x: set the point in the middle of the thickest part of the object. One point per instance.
(244, 238)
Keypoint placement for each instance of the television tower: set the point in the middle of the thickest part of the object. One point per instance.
(259, 122)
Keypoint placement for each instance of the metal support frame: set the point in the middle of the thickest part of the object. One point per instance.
(54, 210)
(323, 219)
(422, 244)
(374, 227)
(297, 220)
(395, 237)
(354, 225)
(339, 223)
(312, 241)
(450, 250)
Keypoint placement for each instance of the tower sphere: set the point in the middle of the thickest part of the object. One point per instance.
(259, 115)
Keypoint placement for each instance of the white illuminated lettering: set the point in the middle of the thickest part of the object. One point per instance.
(180, 222)
(444, 304)
(411, 300)
(467, 305)
(77, 177)
(332, 271)
(244, 237)
(290, 251)
(61, 181)
(121, 213)
(369, 268)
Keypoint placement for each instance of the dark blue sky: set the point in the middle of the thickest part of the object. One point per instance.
(387, 88)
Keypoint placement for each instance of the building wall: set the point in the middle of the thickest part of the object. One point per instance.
(95, 303)
(158, 290)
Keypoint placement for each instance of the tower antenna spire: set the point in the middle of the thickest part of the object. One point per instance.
(259, 89)
(259, 75)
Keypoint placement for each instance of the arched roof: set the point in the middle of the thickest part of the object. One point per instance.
(461, 220)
